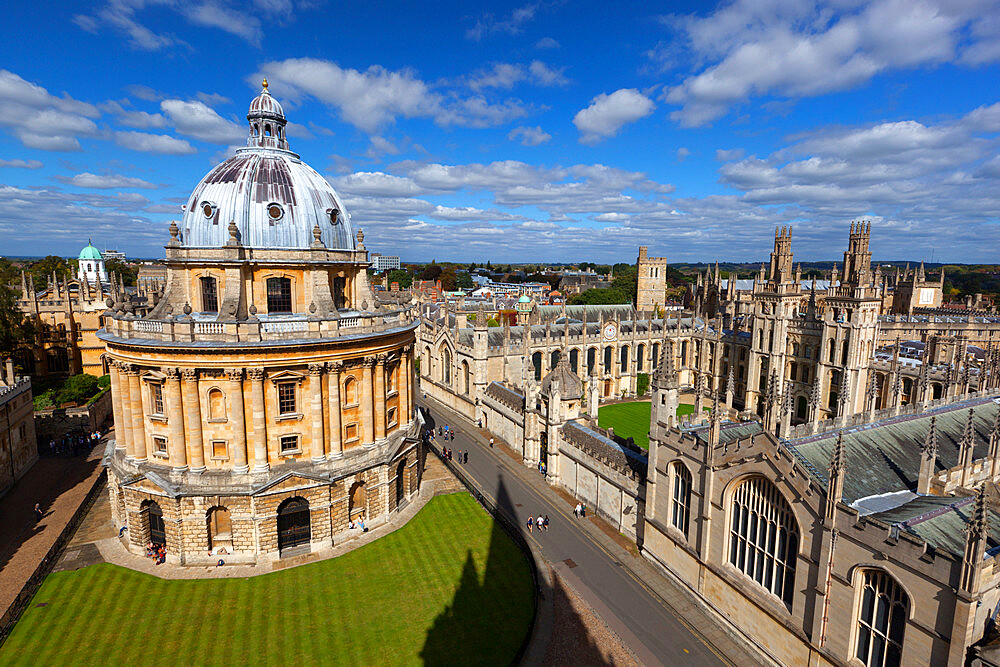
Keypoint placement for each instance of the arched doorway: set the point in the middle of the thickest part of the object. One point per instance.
(293, 523)
(802, 408)
(157, 529)
(400, 478)
(220, 529)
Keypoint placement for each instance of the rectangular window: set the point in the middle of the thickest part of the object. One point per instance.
(286, 397)
(289, 443)
(209, 295)
(391, 417)
(351, 432)
(156, 397)
(279, 295)
(159, 445)
(220, 450)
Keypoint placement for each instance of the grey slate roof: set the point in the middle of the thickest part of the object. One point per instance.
(885, 456)
(941, 521)
(606, 450)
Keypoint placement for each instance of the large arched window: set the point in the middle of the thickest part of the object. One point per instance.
(350, 391)
(554, 359)
(536, 362)
(445, 365)
(574, 360)
(680, 510)
(216, 405)
(591, 360)
(623, 359)
(466, 383)
(279, 295)
(763, 538)
(882, 616)
(640, 353)
(607, 359)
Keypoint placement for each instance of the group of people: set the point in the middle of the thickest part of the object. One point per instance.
(72, 444)
(542, 522)
(158, 552)
(359, 523)
(461, 456)
(580, 510)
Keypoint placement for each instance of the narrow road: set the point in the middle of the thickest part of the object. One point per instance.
(647, 627)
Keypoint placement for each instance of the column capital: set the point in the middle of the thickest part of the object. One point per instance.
(130, 369)
(234, 374)
(189, 374)
(336, 366)
(380, 359)
(315, 369)
(369, 362)
(171, 373)
(255, 374)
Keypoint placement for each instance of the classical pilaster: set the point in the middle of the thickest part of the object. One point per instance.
(135, 410)
(378, 406)
(238, 420)
(116, 406)
(367, 423)
(176, 449)
(336, 436)
(406, 385)
(316, 405)
(192, 419)
(257, 415)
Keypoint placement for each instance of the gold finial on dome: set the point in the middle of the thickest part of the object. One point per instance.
(264, 83)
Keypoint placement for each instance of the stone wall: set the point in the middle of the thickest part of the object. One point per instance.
(18, 445)
(56, 422)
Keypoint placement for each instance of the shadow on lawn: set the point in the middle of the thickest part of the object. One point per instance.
(470, 630)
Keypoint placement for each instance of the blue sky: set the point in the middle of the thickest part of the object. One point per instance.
(547, 131)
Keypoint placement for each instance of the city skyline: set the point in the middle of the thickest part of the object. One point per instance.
(585, 131)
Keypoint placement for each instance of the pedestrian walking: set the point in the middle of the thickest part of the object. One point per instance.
(577, 510)
(460, 456)
(466, 456)
(531, 523)
(491, 443)
(545, 523)
(452, 435)
(539, 521)
(38, 512)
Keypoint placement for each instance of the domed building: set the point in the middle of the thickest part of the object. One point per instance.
(91, 266)
(266, 402)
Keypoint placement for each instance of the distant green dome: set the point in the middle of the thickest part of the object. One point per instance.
(91, 253)
(524, 299)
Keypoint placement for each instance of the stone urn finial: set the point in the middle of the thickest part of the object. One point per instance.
(174, 234)
(361, 239)
(234, 234)
(317, 241)
(187, 308)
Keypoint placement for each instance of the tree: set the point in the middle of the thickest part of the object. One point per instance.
(431, 272)
(128, 273)
(16, 330)
(78, 389)
(404, 278)
(447, 278)
(42, 270)
(464, 281)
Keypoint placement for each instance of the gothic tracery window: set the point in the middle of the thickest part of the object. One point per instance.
(763, 539)
(680, 511)
(881, 620)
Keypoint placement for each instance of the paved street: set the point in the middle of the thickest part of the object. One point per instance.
(654, 633)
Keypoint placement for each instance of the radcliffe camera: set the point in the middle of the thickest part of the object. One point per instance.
(455, 340)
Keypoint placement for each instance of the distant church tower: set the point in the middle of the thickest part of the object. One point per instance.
(92, 265)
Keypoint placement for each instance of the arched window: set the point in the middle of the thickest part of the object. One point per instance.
(623, 358)
(802, 409)
(607, 359)
(279, 295)
(763, 537)
(680, 514)
(554, 359)
(536, 363)
(216, 405)
(267, 129)
(843, 354)
(445, 365)
(640, 353)
(591, 360)
(293, 523)
(656, 355)
(350, 391)
(832, 350)
(574, 360)
(466, 384)
(882, 616)
(209, 295)
(157, 530)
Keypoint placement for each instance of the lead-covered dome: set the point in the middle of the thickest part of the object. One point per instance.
(275, 199)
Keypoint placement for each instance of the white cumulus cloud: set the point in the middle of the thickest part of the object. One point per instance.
(607, 114)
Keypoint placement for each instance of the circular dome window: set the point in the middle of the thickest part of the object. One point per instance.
(334, 215)
(275, 212)
(208, 208)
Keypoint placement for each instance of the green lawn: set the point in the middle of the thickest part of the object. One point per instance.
(632, 419)
(450, 586)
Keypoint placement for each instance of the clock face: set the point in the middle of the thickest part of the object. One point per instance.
(610, 331)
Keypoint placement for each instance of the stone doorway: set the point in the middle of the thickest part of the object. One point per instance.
(293, 526)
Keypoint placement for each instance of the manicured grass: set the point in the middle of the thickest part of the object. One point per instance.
(449, 587)
(632, 419)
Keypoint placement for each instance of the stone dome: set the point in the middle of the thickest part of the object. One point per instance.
(274, 198)
(570, 386)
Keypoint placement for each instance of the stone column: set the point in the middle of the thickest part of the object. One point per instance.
(121, 429)
(177, 450)
(135, 410)
(192, 419)
(256, 376)
(316, 406)
(379, 403)
(405, 401)
(238, 420)
(367, 424)
(336, 437)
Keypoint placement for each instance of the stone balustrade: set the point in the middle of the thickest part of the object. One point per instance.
(253, 331)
